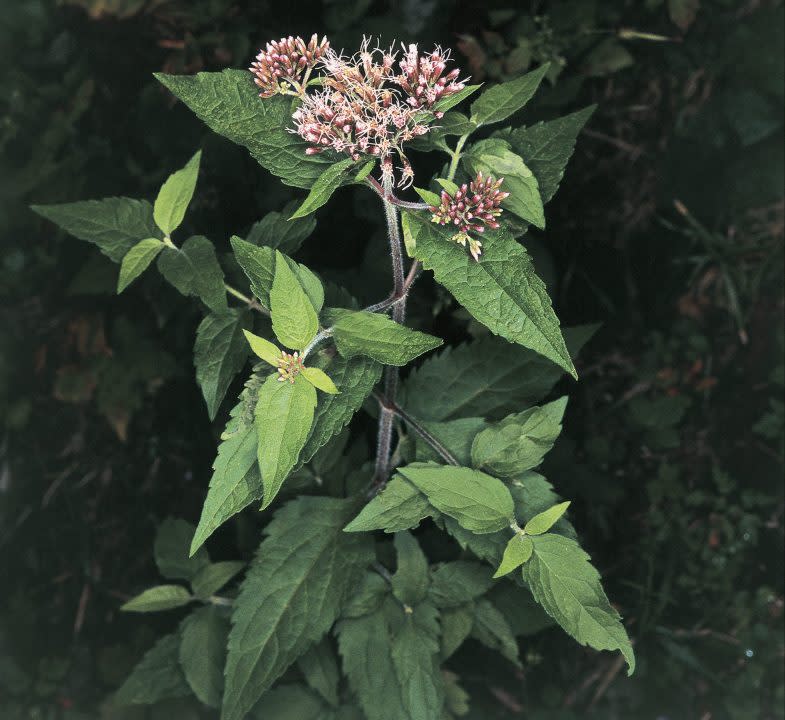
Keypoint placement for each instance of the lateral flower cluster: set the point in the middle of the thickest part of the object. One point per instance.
(365, 105)
(471, 209)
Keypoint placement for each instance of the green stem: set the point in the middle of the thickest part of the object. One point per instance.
(456, 156)
(249, 301)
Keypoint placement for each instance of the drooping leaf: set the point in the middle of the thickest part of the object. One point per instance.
(380, 338)
(171, 550)
(158, 675)
(319, 666)
(326, 184)
(517, 552)
(399, 506)
(566, 584)
(277, 231)
(320, 380)
(502, 290)
(544, 521)
(220, 352)
(520, 441)
(175, 195)
(211, 578)
(295, 322)
(453, 584)
(203, 653)
(113, 224)
(194, 270)
(497, 103)
(229, 104)
(492, 630)
(284, 415)
(410, 581)
(137, 260)
(160, 597)
(291, 595)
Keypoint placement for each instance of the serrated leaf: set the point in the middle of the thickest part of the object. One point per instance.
(320, 380)
(544, 521)
(161, 597)
(399, 506)
(500, 101)
(295, 322)
(326, 184)
(380, 338)
(367, 597)
(479, 502)
(235, 482)
(456, 699)
(520, 441)
(175, 195)
(113, 224)
(502, 290)
(156, 677)
(453, 584)
(277, 231)
(291, 595)
(565, 583)
(431, 198)
(203, 653)
(517, 552)
(284, 415)
(229, 104)
(456, 435)
(220, 352)
(194, 270)
(171, 550)
(492, 630)
(494, 157)
(319, 666)
(268, 352)
(410, 581)
(211, 578)
(137, 260)
(290, 702)
(451, 101)
(457, 625)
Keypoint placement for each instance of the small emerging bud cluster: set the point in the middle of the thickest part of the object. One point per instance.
(289, 366)
(471, 209)
(422, 79)
(287, 62)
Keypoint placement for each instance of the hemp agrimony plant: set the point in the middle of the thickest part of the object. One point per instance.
(342, 614)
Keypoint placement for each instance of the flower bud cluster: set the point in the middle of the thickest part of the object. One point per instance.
(289, 366)
(422, 78)
(287, 62)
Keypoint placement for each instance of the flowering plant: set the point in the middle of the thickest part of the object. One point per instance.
(342, 584)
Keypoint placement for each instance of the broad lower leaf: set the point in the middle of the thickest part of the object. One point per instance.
(113, 224)
(517, 552)
(158, 676)
(326, 184)
(320, 380)
(500, 101)
(211, 578)
(203, 653)
(175, 195)
(161, 597)
(220, 352)
(410, 581)
(229, 104)
(380, 338)
(565, 583)
(399, 506)
(520, 441)
(277, 231)
(171, 550)
(319, 667)
(194, 270)
(502, 290)
(479, 502)
(544, 521)
(284, 415)
(137, 260)
(456, 583)
(291, 595)
(492, 630)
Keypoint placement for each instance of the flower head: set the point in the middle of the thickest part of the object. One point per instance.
(289, 366)
(287, 62)
(422, 77)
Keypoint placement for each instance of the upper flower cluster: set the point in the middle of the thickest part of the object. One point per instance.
(287, 63)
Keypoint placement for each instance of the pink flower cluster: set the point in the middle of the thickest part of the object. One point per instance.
(287, 62)
(471, 209)
(422, 79)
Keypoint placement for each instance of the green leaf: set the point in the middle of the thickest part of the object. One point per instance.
(479, 502)
(203, 653)
(194, 270)
(431, 198)
(158, 675)
(520, 441)
(229, 104)
(268, 352)
(517, 552)
(502, 290)
(171, 550)
(453, 584)
(457, 624)
(364, 171)
(542, 522)
(319, 666)
(161, 597)
(456, 435)
(291, 595)
(500, 101)
(290, 702)
(137, 260)
(451, 101)
(367, 597)
(284, 415)
(399, 506)
(326, 184)
(236, 482)
(320, 380)
(277, 231)
(410, 581)
(220, 352)
(547, 146)
(175, 195)
(456, 699)
(113, 224)
(448, 185)
(295, 322)
(683, 12)
(565, 583)
(492, 630)
(211, 578)
(380, 338)
(494, 157)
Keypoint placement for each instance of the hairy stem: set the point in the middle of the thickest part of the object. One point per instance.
(380, 191)
(456, 156)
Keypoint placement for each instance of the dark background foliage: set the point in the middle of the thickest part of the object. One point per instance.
(667, 230)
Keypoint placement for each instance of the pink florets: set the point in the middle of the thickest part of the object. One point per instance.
(286, 62)
(422, 77)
